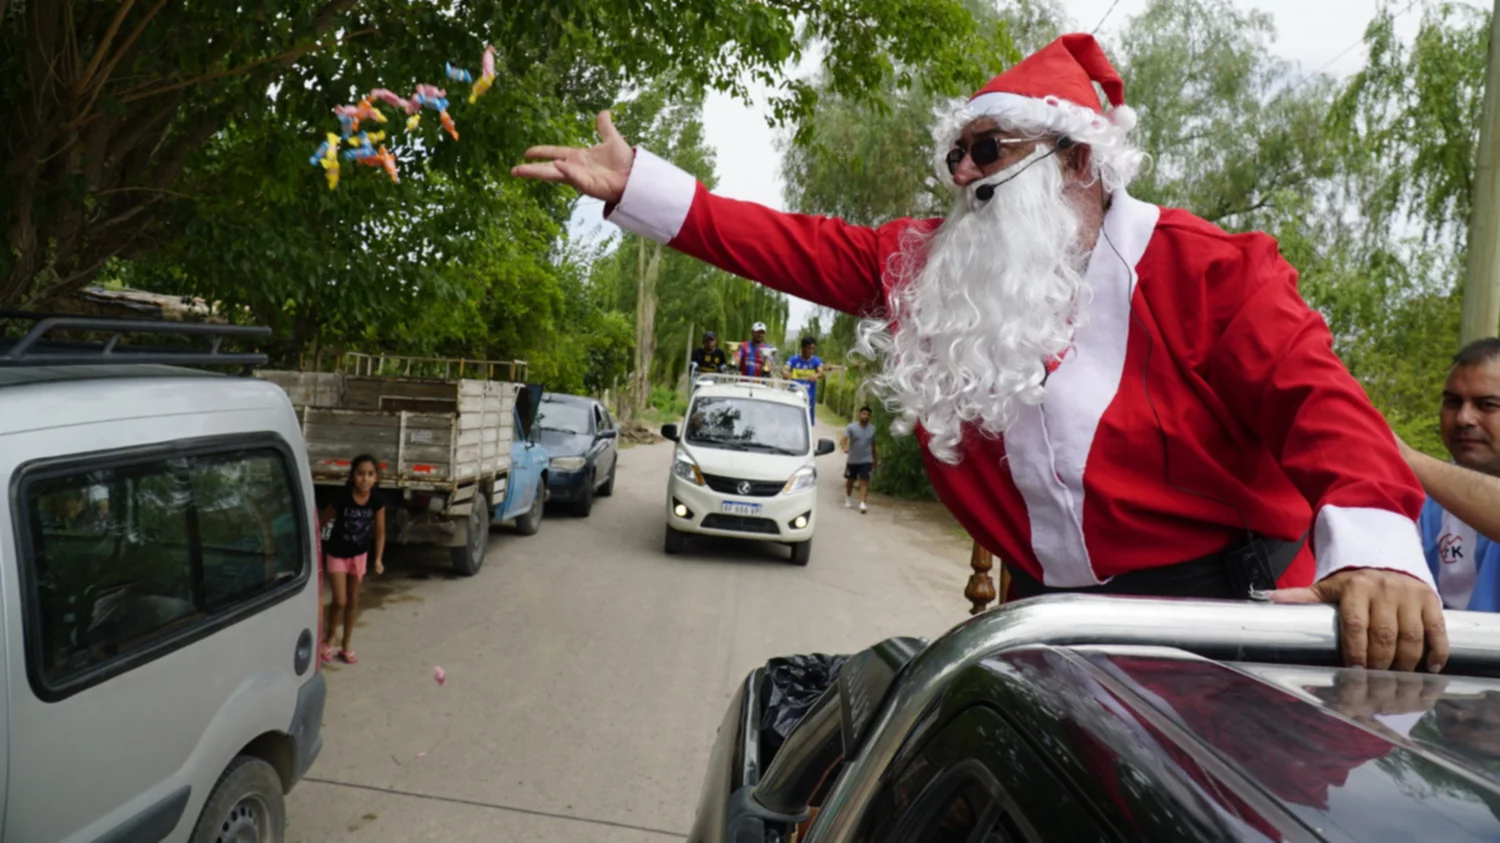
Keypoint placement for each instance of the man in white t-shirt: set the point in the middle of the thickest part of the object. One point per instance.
(1465, 564)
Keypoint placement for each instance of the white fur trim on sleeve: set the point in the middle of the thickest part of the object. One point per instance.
(1366, 537)
(657, 198)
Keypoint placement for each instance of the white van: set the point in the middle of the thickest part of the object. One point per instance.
(743, 466)
(159, 596)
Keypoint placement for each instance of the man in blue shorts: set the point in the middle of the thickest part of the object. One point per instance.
(859, 444)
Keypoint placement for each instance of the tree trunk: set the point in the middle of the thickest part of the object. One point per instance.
(645, 326)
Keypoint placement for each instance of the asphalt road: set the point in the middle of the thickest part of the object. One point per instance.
(587, 671)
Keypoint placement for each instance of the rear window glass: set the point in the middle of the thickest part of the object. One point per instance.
(124, 556)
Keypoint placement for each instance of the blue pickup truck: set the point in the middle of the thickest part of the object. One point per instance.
(520, 496)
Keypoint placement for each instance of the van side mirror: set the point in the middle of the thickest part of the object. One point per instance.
(612, 433)
(825, 446)
(669, 431)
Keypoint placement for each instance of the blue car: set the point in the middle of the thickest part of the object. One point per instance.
(582, 444)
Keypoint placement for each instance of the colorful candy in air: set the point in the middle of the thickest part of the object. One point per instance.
(458, 74)
(368, 148)
(380, 159)
(350, 115)
(327, 157)
(390, 98)
(486, 75)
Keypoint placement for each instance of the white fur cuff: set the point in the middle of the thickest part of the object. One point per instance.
(1366, 537)
(657, 198)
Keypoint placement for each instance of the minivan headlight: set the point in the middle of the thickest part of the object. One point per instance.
(805, 478)
(687, 470)
(568, 463)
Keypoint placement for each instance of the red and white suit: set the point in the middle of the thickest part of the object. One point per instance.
(1255, 408)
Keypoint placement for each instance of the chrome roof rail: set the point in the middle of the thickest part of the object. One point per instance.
(736, 379)
(1217, 629)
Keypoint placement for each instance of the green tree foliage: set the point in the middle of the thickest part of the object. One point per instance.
(128, 122)
(1407, 127)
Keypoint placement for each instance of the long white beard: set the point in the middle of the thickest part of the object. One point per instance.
(986, 299)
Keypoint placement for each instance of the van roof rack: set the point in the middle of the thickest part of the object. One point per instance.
(734, 378)
(33, 349)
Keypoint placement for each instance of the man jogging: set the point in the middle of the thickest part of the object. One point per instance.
(859, 444)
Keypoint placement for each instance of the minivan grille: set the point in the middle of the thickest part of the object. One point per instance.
(740, 524)
(731, 486)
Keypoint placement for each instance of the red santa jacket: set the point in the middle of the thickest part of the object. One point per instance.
(1259, 420)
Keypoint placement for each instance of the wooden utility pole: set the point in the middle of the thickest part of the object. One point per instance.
(1481, 313)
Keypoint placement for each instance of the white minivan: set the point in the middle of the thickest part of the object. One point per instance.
(159, 595)
(743, 466)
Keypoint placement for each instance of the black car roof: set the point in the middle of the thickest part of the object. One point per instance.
(1230, 745)
(563, 398)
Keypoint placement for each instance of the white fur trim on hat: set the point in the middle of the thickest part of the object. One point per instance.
(1115, 161)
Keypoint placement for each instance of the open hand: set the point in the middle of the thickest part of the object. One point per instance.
(1384, 617)
(600, 171)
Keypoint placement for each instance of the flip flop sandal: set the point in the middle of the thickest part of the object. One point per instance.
(326, 655)
(348, 657)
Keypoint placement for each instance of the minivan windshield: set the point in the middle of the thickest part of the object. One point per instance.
(748, 424)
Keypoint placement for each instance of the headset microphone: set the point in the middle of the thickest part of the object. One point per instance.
(986, 192)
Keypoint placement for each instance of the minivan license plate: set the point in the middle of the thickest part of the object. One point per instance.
(739, 508)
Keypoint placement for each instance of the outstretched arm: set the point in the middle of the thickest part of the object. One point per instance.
(823, 260)
(1472, 496)
(1274, 367)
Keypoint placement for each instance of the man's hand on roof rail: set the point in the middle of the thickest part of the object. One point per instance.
(1384, 617)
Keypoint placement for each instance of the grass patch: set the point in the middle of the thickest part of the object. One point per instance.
(827, 415)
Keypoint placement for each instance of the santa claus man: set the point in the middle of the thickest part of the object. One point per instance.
(1111, 396)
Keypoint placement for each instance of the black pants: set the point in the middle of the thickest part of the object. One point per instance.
(1254, 562)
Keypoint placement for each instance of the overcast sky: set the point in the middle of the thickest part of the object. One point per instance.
(1314, 34)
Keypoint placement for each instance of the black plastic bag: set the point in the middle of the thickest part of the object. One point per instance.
(794, 684)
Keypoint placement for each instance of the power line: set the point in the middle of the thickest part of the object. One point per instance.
(1344, 52)
(1107, 13)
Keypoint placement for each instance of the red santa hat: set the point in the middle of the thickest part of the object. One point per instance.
(1063, 72)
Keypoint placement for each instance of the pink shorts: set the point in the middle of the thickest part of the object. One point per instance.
(354, 565)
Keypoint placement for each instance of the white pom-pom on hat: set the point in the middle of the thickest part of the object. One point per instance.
(1124, 117)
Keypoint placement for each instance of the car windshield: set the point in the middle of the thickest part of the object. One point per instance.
(564, 417)
(745, 424)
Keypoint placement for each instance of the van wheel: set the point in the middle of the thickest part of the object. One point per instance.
(802, 552)
(246, 805)
(468, 558)
(528, 524)
(675, 540)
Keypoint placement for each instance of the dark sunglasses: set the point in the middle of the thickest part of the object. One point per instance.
(984, 152)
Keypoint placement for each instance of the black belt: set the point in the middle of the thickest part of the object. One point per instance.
(1255, 562)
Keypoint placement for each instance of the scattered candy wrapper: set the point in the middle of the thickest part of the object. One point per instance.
(362, 144)
(421, 755)
(440, 675)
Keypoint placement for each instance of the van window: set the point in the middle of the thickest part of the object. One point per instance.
(748, 424)
(123, 556)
